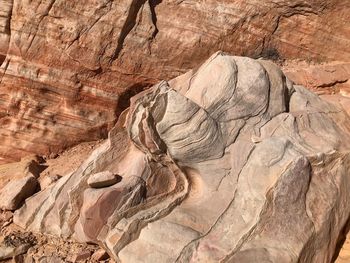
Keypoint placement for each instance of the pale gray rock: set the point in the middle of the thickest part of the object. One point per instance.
(227, 163)
(16, 191)
(103, 179)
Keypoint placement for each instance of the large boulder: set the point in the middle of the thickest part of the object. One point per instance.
(28, 166)
(64, 64)
(230, 162)
(13, 194)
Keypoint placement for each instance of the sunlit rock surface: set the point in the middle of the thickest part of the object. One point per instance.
(68, 67)
(230, 162)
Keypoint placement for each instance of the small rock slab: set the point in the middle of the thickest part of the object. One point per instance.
(16, 191)
(100, 255)
(103, 179)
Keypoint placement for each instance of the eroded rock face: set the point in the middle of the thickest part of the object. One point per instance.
(5, 31)
(227, 163)
(329, 78)
(67, 66)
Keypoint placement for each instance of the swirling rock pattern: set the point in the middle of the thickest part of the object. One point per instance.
(230, 162)
(68, 66)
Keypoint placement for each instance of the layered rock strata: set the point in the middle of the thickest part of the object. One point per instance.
(230, 162)
(68, 67)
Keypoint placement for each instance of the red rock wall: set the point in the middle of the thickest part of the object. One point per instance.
(69, 66)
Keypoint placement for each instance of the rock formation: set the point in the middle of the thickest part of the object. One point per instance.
(67, 67)
(230, 162)
(329, 78)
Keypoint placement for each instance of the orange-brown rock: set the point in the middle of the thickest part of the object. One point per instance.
(331, 80)
(68, 67)
(328, 78)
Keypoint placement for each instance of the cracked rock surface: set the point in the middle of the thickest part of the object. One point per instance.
(68, 67)
(230, 162)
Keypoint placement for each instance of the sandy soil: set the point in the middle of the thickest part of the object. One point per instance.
(69, 160)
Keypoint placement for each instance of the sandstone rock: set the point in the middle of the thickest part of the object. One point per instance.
(6, 216)
(7, 252)
(100, 255)
(99, 204)
(65, 64)
(344, 253)
(16, 191)
(103, 179)
(18, 259)
(29, 166)
(342, 101)
(7, 223)
(28, 259)
(83, 256)
(230, 162)
(48, 180)
(330, 80)
(327, 78)
(36, 158)
(5, 20)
